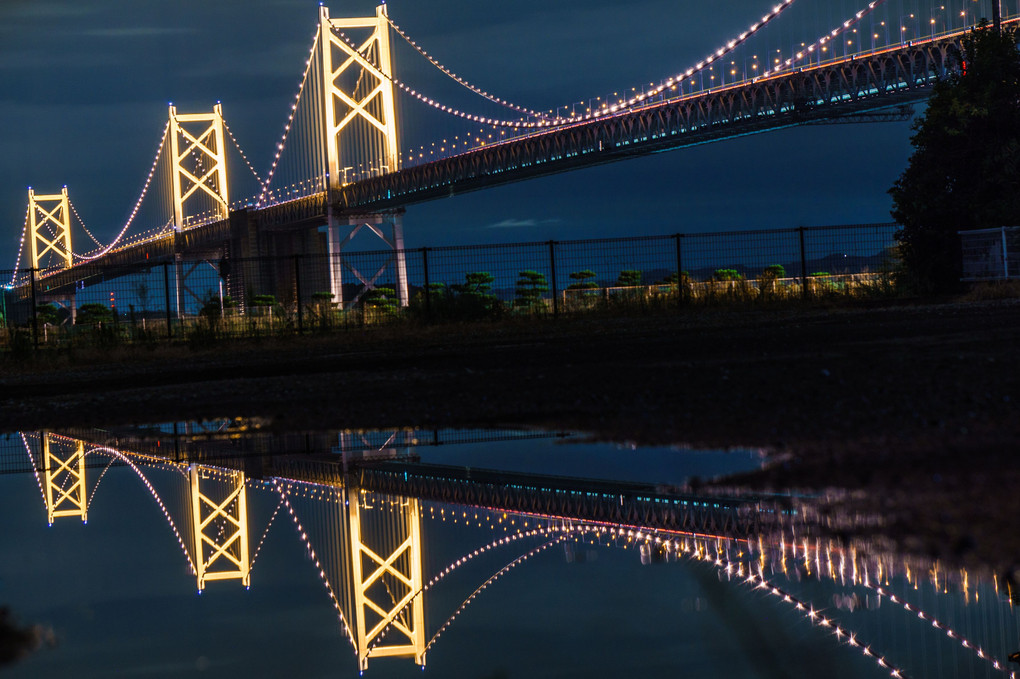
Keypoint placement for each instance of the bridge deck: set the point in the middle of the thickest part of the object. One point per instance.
(865, 82)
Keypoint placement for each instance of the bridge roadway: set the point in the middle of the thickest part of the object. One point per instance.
(570, 499)
(386, 471)
(811, 94)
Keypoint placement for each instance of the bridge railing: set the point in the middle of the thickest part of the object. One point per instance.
(198, 299)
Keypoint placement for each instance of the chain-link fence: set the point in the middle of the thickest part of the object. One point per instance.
(194, 297)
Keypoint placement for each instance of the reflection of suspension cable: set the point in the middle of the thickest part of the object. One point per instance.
(496, 576)
(35, 468)
(864, 582)
(940, 625)
(759, 582)
(138, 203)
(156, 497)
(290, 120)
(505, 540)
(318, 564)
(494, 99)
(265, 533)
(98, 481)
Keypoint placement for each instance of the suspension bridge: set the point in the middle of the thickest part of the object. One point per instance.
(342, 166)
(365, 538)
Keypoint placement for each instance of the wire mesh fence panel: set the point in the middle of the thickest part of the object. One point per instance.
(1011, 236)
(846, 250)
(597, 274)
(194, 297)
(725, 256)
(991, 254)
(490, 280)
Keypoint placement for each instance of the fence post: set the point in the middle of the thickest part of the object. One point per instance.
(166, 299)
(297, 292)
(1005, 255)
(35, 312)
(679, 270)
(425, 276)
(552, 269)
(803, 266)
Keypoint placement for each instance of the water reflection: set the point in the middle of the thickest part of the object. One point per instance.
(462, 571)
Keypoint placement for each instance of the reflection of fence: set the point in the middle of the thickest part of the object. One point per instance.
(174, 298)
(991, 254)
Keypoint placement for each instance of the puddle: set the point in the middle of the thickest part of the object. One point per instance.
(228, 548)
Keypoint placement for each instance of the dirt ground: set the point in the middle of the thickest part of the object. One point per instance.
(915, 405)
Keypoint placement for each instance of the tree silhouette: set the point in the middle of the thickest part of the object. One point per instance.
(583, 280)
(629, 277)
(965, 169)
(529, 289)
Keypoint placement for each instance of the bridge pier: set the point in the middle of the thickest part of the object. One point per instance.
(387, 227)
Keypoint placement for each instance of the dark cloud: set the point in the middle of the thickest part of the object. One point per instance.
(84, 89)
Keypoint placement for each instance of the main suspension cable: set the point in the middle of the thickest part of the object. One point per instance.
(290, 119)
(21, 246)
(138, 203)
(491, 97)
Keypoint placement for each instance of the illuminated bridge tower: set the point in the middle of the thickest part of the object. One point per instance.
(65, 479)
(219, 515)
(360, 119)
(50, 226)
(388, 616)
(198, 164)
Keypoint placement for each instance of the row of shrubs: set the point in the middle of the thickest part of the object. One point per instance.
(471, 299)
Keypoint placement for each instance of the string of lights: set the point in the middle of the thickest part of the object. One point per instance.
(21, 246)
(269, 525)
(757, 581)
(834, 33)
(318, 564)
(492, 579)
(99, 480)
(35, 468)
(290, 119)
(940, 625)
(860, 577)
(155, 496)
(506, 540)
(442, 107)
(491, 97)
(241, 151)
(81, 223)
(719, 53)
(138, 203)
(670, 83)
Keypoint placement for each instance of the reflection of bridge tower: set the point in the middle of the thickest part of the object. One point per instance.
(360, 124)
(201, 166)
(52, 213)
(219, 513)
(65, 480)
(385, 583)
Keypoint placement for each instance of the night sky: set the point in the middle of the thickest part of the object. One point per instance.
(85, 87)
